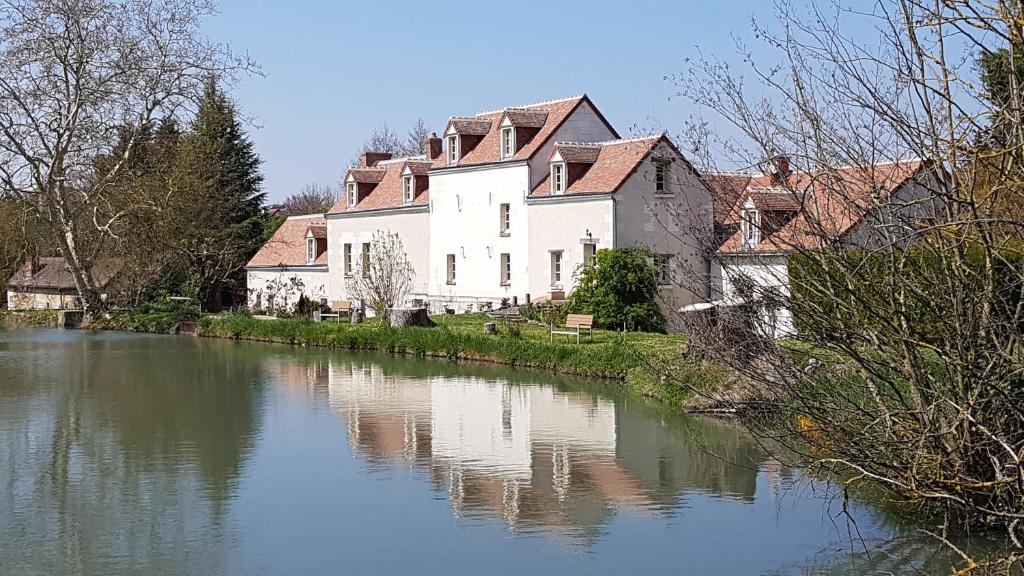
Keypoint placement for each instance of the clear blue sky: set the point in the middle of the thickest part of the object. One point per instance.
(335, 70)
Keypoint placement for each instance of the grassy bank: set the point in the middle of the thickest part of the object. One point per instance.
(626, 357)
(28, 318)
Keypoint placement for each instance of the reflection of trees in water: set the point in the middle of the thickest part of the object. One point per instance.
(148, 435)
(573, 484)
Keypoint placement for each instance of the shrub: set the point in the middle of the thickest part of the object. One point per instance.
(619, 290)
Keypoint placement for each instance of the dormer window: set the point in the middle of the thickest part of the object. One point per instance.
(453, 148)
(310, 250)
(508, 142)
(352, 197)
(408, 189)
(750, 225)
(557, 178)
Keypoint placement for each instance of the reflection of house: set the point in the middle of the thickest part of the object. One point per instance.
(533, 455)
(292, 263)
(48, 283)
(762, 219)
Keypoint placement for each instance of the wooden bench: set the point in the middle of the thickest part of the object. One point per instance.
(574, 325)
(339, 308)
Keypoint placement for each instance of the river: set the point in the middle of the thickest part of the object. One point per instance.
(145, 454)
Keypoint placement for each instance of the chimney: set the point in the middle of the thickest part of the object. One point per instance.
(782, 170)
(432, 147)
(370, 159)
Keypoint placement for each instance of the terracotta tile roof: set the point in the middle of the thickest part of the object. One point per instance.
(318, 232)
(388, 191)
(557, 111)
(54, 274)
(616, 161)
(473, 126)
(287, 247)
(577, 153)
(527, 118)
(366, 175)
(828, 205)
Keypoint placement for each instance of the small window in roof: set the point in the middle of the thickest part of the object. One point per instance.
(508, 142)
(557, 178)
(408, 189)
(352, 197)
(453, 149)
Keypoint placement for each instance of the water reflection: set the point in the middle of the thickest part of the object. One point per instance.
(537, 456)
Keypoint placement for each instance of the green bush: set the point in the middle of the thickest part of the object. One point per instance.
(620, 291)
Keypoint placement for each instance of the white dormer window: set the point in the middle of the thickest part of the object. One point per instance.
(408, 189)
(557, 178)
(508, 142)
(453, 148)
(750, 225)
(310, 250)
(352, 197)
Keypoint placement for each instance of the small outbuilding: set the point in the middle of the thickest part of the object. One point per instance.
(47, 283)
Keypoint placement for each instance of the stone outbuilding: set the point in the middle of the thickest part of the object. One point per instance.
(47, 283)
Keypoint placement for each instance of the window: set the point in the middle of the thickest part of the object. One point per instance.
(750, 225)
(557, 178)
(508, 143)
(589, 252)
(506, 270)
(556, 267)
(503, 218)
(661, 177)
(366, 259)
(453, 149)
(663, 262)
(451, 268)
(352, 198)
(310, 250)
(347, 258)
(408, 189)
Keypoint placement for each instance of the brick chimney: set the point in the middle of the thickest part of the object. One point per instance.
(432, 147)
(371, 158)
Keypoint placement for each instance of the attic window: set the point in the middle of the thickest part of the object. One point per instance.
(661, 184)
(453, 148)
(408, 189)
(508, 142)
(352, 197)
(310, 250)
(751, 226)
(557, 178)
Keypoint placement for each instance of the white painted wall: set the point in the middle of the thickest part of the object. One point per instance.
(464, 220)
(410, 225)
(314, 284)
(561, 225)
(765, 271)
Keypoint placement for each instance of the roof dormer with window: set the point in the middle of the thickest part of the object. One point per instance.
(462, 136)
(750, 224)
(518, 127)
(558, 178)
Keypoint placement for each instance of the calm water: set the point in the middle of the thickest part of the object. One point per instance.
(130, 454)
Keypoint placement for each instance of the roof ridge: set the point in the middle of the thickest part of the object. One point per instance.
(418, 157)
(579, 144)
(634, 139)
(304, 216)
(534, 104)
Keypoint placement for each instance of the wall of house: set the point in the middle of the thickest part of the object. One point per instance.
(890, 223)
(562, 225)
(278, 290)
(39, 300)
(411, 225)
(762, 271)
(584, 125)
(464, 221)
(679, 225)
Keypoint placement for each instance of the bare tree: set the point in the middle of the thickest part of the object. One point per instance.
(905, 371)
(73, 73)
(313, 199)
(384, 276)
(414, 140)
(384, 139)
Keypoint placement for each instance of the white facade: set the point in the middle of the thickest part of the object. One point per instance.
(278, 289)
(760, 272)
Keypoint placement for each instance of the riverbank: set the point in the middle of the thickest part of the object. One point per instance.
(28, 318)
(637, 360)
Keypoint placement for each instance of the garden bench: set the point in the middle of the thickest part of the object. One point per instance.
(574, 325)
(339, 308)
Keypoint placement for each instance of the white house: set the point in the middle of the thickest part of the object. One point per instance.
(292, 263)
(762, 219)
(511, 203)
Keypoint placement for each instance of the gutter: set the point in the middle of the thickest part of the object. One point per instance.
(570, 198)
(378, 212)
(480, 166)
(287, 267)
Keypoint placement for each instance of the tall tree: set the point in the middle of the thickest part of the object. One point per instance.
(312, 199)
(219, 200)
(73, 73)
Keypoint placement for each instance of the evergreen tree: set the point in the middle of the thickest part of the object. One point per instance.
(219, 209)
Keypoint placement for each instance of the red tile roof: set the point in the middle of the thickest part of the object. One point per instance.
(574, 153)
(387, 193)
(53, 273)
(616, 160)
(366, 175)
(487, 150)
(287, 247)
(526, 118)
(827, 205)
(318, 232)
